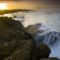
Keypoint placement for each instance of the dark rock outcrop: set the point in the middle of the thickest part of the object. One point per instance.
(37, 28)
(43, 51)
(15, 42)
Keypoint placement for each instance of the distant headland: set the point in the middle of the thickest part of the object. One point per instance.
(14, 10)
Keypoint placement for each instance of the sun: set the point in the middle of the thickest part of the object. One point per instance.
(3, 6)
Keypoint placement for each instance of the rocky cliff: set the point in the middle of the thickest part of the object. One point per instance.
(17, 44)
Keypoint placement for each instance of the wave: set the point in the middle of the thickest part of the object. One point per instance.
(41, 33)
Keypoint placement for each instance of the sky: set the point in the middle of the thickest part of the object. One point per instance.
(32, 4)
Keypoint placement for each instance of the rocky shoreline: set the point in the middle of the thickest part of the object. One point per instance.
(17, 44)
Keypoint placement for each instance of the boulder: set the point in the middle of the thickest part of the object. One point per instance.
(43, 51)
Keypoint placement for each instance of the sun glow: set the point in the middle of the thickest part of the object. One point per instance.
(3, 6)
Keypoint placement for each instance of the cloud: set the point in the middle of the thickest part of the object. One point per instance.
(38, 4)
(57, 2)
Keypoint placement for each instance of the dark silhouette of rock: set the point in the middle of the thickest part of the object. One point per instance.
(43, 51)
(15, 42)
(37, 28)
(14, 10)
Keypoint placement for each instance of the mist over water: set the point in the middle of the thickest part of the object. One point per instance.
(50, 19)
(50, 22)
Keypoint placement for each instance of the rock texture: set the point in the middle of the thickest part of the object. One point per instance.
(43, 51)
(15, 42)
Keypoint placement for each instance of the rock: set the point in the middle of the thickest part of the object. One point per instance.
(37, 28)
(15, 42)
(43, 51)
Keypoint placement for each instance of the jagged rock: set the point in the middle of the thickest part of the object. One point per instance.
(43, 51)
(15, 42)
(37, 28)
